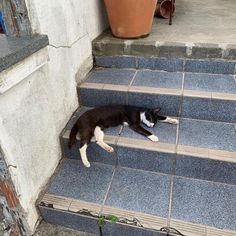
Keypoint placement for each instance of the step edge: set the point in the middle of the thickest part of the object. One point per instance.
(161, 91)
(206, 153)
(147, 221)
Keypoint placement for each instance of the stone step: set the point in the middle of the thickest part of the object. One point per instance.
(190, 95)
(106, 45)
(193, 148)
(143, 202)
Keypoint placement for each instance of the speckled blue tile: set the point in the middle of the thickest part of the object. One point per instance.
(94, 153)
(212, 67)
(210, 83)
(169, 104)
(111, 76)
(165, 132)
(158, 79)
(140, 191)
(70, 220)
(110, 229)
(207, 134)
(206, 169)
(209, 109)
(223, 110)
(76, 181)
(116, 61)
(95, 97)
(146, 160)
(203, 202)
(160, 64)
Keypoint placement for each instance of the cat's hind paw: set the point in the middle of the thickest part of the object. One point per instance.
(153, 138)
(86, 164)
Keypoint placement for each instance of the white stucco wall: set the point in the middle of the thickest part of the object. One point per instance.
(34, 112)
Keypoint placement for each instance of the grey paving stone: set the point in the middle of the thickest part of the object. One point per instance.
(206, 169)
(108, 48)
(204, 202)
(207, 134)
(206, 50)
(157, 79)
(210, 83)
(146, 160)
(111, 76)
(140, 191)
(74, 180)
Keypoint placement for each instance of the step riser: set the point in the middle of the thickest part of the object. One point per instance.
(171, 65)
(90, 225)
(171, 105)
(167, 163)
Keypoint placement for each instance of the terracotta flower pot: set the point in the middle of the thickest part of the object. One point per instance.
(163, 9)
(130, 18)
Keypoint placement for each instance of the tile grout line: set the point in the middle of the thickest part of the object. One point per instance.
(214, 121)
(116, 144)
(170, 201)
(108, 190)
(130, 84)
(204, 180)
(176, 143)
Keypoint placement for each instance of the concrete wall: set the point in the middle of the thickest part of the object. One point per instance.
(34, 112)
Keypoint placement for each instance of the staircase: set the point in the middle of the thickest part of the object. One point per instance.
(186, 181)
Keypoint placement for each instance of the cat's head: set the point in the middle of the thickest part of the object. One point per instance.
(151, 115)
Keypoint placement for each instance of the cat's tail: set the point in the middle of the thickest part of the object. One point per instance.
(72, 138)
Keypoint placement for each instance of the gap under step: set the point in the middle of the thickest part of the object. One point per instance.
(76, 195)
(190, 95)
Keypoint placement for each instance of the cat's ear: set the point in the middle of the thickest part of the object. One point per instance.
(156, 110)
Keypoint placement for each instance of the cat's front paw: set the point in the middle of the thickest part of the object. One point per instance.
(109, 149)
(153, 137)
(174, 121)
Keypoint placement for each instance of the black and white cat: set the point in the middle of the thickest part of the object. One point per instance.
(94, 121)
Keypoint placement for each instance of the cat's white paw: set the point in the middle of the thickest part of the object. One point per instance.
(110, 149)
(86, 164)
(174, 121)
(153, 137)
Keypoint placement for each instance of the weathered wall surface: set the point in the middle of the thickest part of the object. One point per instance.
(34, 112)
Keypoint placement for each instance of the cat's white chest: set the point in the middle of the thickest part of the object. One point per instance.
(145, 121)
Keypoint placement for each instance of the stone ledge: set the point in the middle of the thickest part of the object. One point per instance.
(13, 50)
(18, 72)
